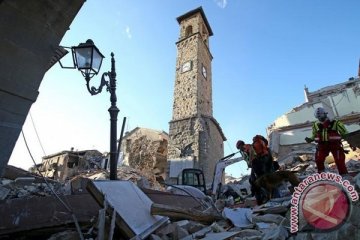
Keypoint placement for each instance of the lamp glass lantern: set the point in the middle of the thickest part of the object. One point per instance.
(87, 58)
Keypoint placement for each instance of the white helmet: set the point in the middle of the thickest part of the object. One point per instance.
(320, 113)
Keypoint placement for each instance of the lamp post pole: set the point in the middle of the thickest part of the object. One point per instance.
(113, 110)
(87, 59)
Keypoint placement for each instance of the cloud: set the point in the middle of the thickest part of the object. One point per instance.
(128, 32)
(221, 3)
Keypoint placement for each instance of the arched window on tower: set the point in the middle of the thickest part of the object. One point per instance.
(188, 31)
(205, 35)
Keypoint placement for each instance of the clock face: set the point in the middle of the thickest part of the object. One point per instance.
(204, 71)
(186, 66)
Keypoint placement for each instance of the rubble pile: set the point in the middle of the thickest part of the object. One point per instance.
(25, 187)
(149, 155)
(163, 215)
(304, 163)
(142, 178)
(268, 221)
(18, 183)
(29, 186)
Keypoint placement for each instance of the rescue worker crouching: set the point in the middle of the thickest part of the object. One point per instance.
(328, 134)
(259, 158)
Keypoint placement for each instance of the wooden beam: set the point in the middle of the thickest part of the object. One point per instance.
(177, 213)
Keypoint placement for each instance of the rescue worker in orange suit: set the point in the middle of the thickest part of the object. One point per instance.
(263, 162)
(259, 159)
(328, 134)
(259, 148)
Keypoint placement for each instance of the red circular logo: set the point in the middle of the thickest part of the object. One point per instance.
(325, 206)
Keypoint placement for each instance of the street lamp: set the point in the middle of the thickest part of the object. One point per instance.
(87, 59)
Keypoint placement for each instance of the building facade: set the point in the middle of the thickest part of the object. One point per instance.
(195, 137)
(64, 165)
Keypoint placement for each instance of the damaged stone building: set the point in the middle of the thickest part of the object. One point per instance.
(66, 164)
(145, 149)
(195, 137)
(341, 101)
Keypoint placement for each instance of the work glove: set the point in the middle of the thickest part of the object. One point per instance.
(308, 140)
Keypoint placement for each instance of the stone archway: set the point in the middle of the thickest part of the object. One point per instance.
(30, 35)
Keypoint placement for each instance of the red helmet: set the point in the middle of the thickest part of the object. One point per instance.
(239, 144)
(260, 137)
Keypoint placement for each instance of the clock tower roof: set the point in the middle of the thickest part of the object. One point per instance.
(192, 12)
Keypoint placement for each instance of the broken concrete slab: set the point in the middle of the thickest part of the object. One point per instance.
(155, 237)
(65, 235)
(132, 207)
(174, 200)
(240, 217)
(36, 213)
(212, 236)
(24, 181)
(192, 226)
(268, 218)
(220, 236)
(353, 138)
(248, 234)
(278, 232)
(186, 190)
(167, 229)
(273, 210)
(4, 192)
(180, 233)
(78, 185)
(12, 173)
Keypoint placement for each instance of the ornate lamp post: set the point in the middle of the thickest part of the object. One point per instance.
(87, 59)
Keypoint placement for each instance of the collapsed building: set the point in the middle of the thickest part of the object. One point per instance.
(145, 149)
(66, 164)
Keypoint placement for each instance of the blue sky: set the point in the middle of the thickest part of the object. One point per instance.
(264, 53)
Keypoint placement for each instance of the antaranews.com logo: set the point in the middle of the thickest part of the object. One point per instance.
(321, 201)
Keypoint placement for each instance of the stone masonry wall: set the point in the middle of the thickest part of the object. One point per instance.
(194, 21)
(199, 138)
(184, 139)
(205, 105)
(211, 148)
(193, 92)
(185, 90)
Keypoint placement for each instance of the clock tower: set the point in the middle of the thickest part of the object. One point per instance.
(195, 137)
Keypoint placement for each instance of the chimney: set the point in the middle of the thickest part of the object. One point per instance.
(306, 92)
(359, 69)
